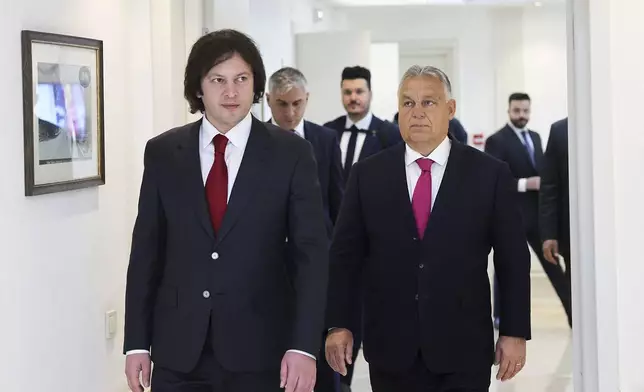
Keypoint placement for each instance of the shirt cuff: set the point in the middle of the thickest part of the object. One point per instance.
(137, 352)
(303, 353)
(522, 185)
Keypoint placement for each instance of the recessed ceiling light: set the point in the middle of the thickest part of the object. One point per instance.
(538, 4)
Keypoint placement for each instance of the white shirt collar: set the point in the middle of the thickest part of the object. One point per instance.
(299, 129)
(516, 130)
(439, 155)
(237, 136)
(363, 124)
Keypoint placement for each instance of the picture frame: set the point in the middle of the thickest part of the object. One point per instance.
(63, 112)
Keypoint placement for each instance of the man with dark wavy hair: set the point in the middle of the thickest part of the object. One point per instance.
(208, 292)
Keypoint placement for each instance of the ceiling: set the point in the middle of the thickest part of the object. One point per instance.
(371, 3)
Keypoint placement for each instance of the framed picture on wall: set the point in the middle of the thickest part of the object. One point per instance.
(64, 135)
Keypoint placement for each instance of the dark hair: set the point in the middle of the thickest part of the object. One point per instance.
(213, 49)
(357, 72)
(518, 97)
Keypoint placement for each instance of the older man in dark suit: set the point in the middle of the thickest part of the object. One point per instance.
(427, 311)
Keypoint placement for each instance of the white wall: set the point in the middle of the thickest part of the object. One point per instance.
(606, 201)
(385, 77)
(497, 51)
(65, 255)
(469, 29)
(545, 65)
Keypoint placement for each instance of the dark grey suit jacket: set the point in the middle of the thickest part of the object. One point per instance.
(185, 282)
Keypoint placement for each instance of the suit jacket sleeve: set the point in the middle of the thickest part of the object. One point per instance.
(308, 238)
(549, 192)
(348, 250)
(146, 261)
(511, 258)
(336, 183)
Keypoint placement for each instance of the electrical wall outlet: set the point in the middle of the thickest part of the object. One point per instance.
(110, 324)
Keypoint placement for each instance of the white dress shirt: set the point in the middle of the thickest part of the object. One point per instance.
(237, 141)
(363, 124)
(440, 156)
(522, 183)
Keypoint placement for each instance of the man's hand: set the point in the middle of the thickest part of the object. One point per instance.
(298, 373)
(138, 368)
(510, 356)
(339, 349)
(551, 251)
(533, 183)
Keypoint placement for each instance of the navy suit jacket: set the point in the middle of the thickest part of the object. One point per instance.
(381, 135)
(431, 295)
(186, 282)
(554, 197)
(326, 149)
(506, 146)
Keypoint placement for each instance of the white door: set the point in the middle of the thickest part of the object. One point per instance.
(322, 57)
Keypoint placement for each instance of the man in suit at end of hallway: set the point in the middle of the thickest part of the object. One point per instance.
(288, 97)
(212, 292)
(554, 200)
(401, 211)
(361, 133)
(521, 149)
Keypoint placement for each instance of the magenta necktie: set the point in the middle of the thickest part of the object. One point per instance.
(421, 202)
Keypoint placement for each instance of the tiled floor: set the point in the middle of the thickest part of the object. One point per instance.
(549, 365)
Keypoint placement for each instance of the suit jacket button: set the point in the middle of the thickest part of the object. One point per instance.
(421, 266)
(215, 255)
(416, 298)
(206, 294)
(415, 238)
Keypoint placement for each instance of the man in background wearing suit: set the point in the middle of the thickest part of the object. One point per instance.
(427, 316)
(521, 149)
(361, 135)
(287, 98)
(554, 201)
(209, 291)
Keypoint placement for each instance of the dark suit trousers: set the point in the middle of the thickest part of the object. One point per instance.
(560, 281)
(210, 376)
(420, 379)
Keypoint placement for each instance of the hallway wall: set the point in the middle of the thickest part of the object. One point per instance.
(64, 255)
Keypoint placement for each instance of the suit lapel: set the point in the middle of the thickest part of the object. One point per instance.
(187, 154)
(518, 144)
(401, 188)
(446, 197)
(371, 142)
(309, 135)
(249, 176)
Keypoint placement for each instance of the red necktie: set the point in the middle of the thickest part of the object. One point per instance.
(217, 183)
(421, 201)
